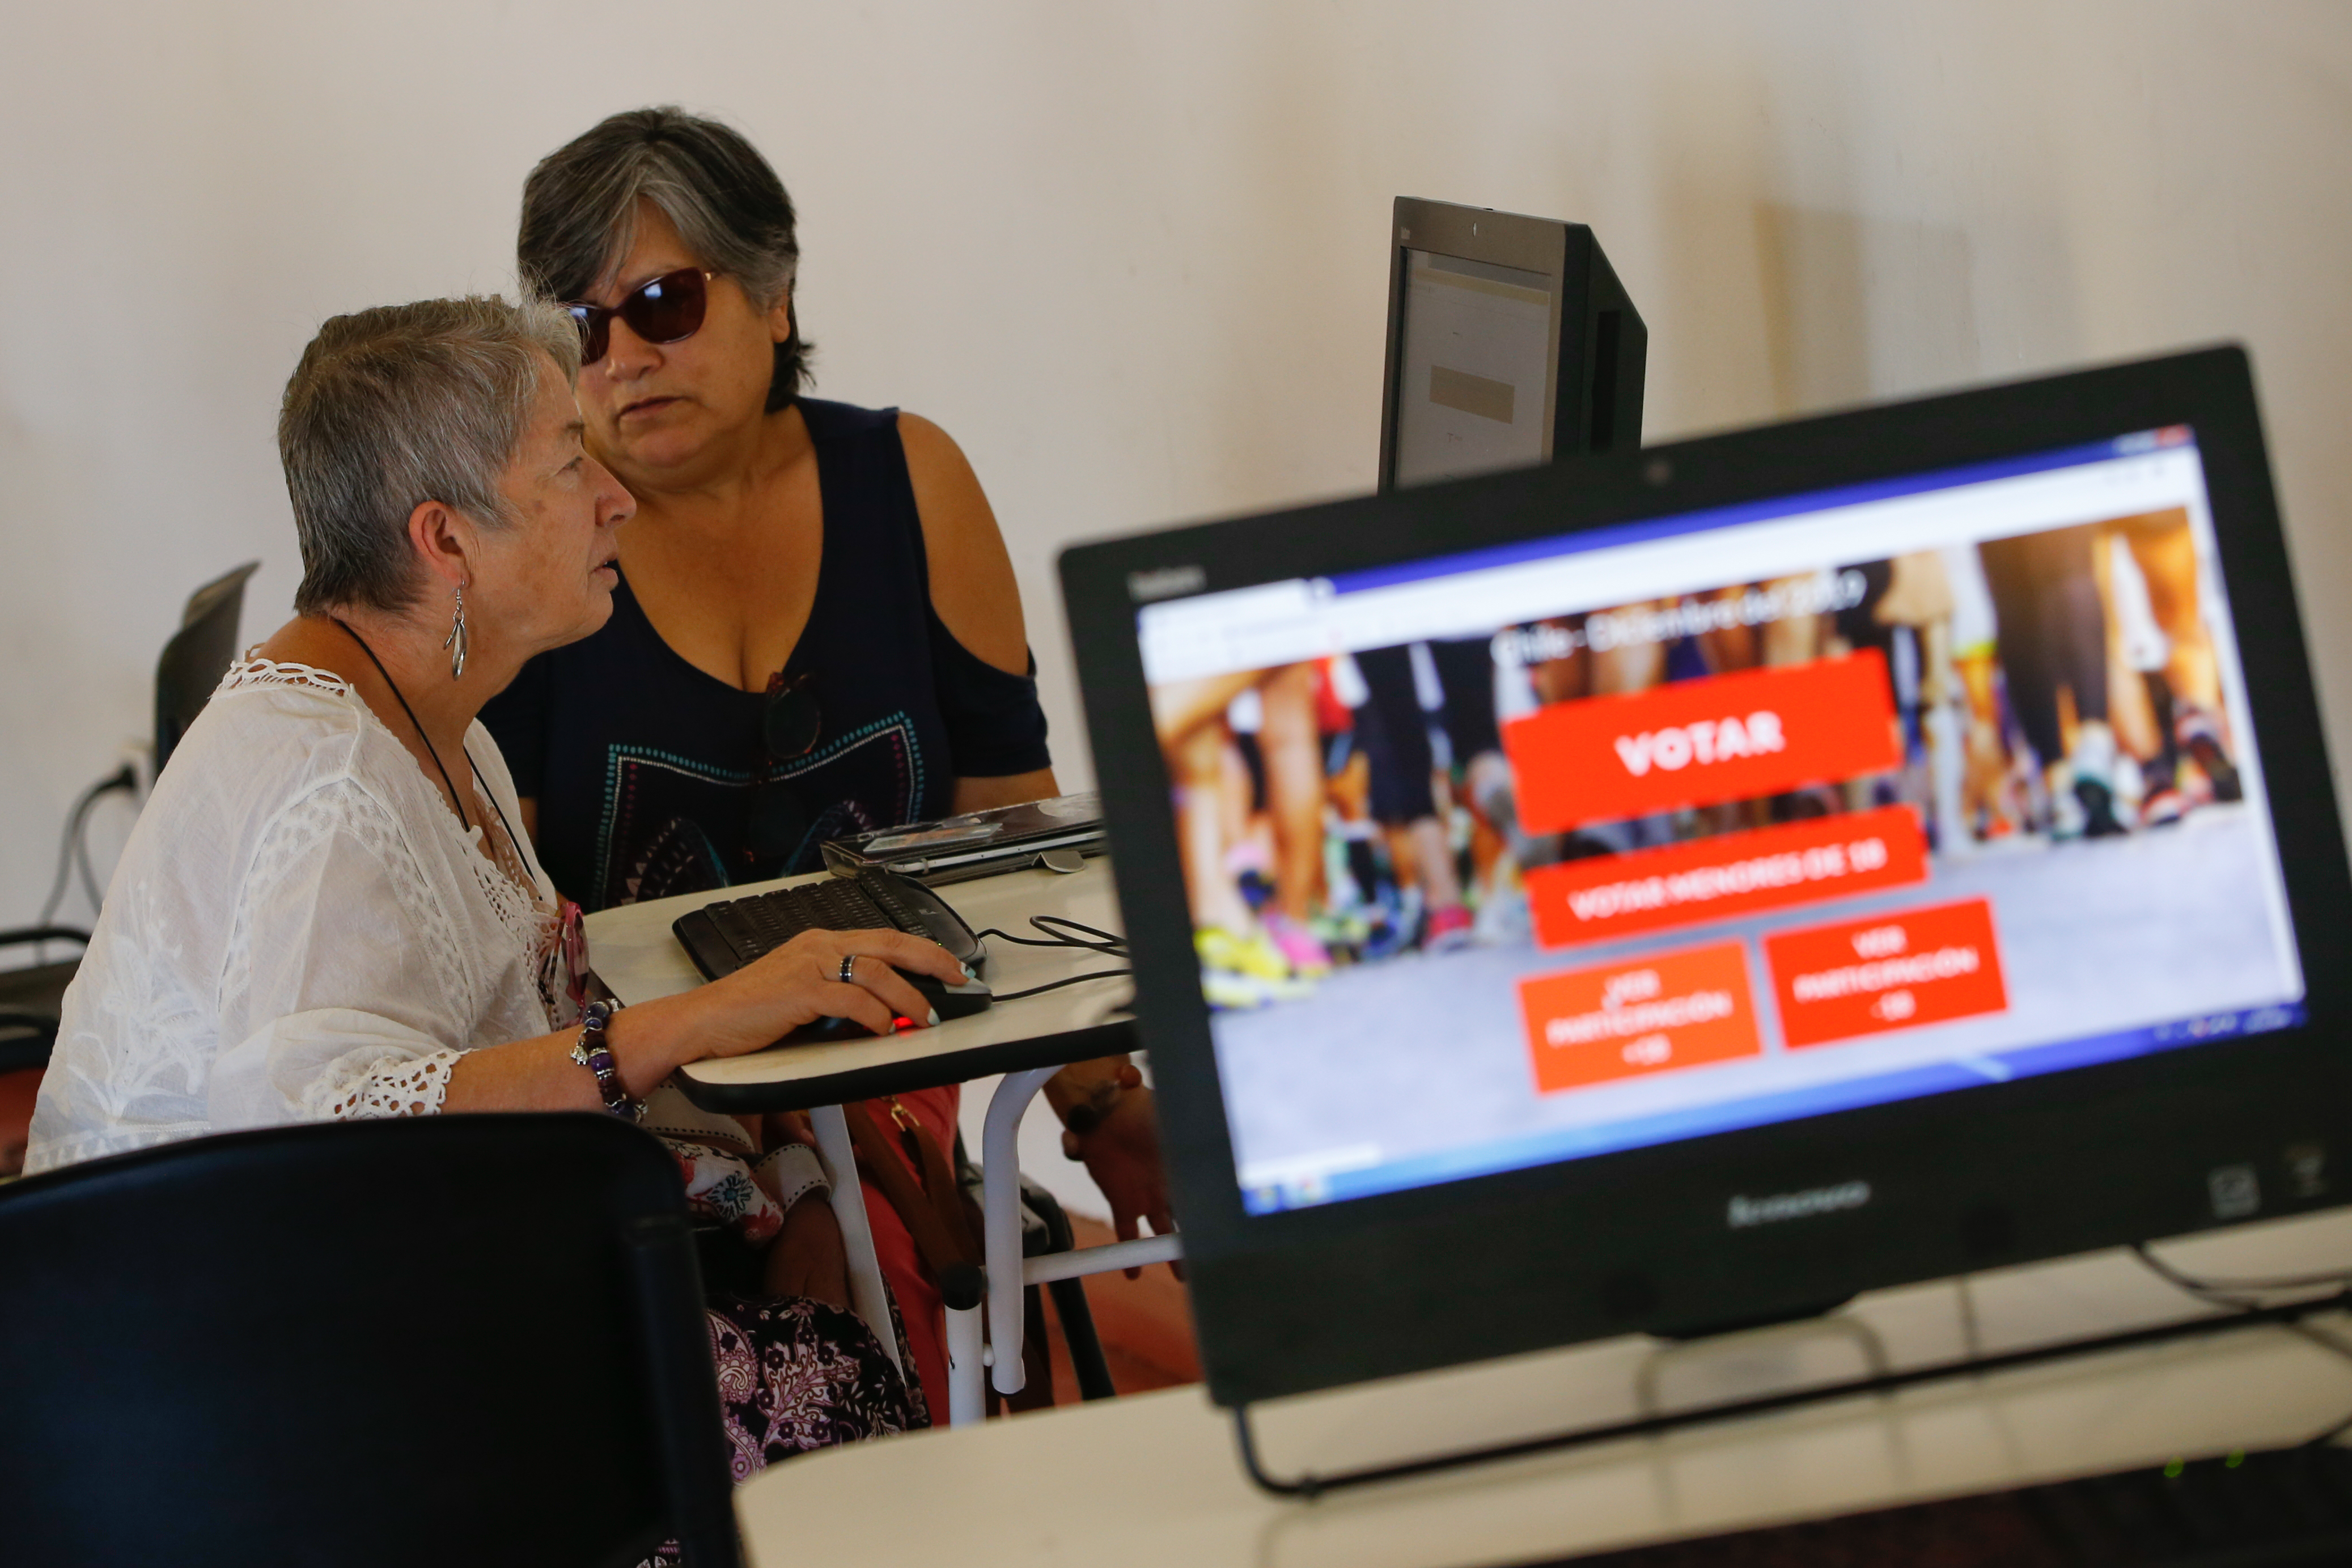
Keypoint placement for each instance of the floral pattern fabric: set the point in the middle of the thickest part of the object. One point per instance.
(721, 1193)
(796, 1374)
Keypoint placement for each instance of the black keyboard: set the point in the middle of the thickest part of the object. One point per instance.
(723, 937)
(2282, 1507)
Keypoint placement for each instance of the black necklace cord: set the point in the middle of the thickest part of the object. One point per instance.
(454, 798)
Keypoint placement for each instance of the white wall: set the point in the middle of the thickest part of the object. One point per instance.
(1130, 254)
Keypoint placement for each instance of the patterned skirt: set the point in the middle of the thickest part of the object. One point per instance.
(794, 1374)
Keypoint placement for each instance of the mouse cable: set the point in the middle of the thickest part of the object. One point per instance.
(1057, 984)
(1093, 938)
(1059, 932)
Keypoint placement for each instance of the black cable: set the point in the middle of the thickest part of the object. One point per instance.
(2228, 1292)
(1002, 935)
(64, 877)
(71, 845)
(1093, 940)
(1057, 984)
(1102, 940)
(2197, 1287)
(2223, 1293)
(88, 877)
(1311, 1486)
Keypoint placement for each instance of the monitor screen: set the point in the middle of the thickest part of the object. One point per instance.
(1706, 822)
(1471, 392)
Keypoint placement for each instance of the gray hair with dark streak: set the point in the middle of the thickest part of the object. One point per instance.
(399, 405)
(580, 210)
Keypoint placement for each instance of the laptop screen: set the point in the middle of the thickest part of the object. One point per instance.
(1718, 820)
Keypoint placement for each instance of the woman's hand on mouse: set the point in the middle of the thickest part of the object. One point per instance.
(802, 981)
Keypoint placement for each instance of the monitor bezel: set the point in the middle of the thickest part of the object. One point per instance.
(1637, 1240)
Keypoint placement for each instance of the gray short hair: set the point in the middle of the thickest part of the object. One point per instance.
(580, 215)
(398, 406)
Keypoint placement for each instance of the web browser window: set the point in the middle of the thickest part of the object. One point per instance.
(1719, 820)
(1477, 354)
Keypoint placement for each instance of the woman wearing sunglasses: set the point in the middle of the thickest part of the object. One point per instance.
(817, 628)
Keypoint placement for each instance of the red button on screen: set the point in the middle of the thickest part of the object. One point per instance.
(1695, 742)
(1892, 971)
(1729, 874)
(1648, 1015)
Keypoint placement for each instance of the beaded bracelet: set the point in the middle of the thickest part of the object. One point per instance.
(596, 1056)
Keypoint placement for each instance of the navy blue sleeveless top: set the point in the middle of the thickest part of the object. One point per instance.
(644, 766)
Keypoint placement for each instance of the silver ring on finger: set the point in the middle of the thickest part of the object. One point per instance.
(849, 969)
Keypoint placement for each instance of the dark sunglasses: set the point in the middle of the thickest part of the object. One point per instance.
(666, 310)
(790, 724)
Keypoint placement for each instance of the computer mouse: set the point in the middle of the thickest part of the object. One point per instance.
(959, 1001)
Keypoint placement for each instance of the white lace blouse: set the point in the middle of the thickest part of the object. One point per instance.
(298, 930)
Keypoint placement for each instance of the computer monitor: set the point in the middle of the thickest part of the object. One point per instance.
(1894, 844)
(196, 657)
(1510, 342)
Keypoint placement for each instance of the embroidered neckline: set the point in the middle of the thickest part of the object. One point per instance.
(252, 671)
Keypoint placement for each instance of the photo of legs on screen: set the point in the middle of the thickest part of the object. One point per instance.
(1492, 863)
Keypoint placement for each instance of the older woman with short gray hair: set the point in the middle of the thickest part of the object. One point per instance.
(328, 909)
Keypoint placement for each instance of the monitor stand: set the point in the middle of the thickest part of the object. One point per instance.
(1881, 1381)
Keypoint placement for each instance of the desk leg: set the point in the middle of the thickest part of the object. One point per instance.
(967, 1393)
(865, 1291)
(999, 1167)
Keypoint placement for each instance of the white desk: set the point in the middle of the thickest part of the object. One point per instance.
(1153, 1479)
(636, 955)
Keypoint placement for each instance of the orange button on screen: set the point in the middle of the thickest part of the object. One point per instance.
(1892, 971)
(1728, 874)
(1648, 1015)
(1694, 742)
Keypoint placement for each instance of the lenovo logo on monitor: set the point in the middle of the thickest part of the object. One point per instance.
(1743, 1212)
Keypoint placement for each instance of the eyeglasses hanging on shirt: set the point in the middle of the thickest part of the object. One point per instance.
(789, 723)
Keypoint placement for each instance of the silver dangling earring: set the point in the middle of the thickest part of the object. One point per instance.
(456, 641)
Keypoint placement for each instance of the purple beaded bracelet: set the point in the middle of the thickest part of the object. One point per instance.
(594, 1054)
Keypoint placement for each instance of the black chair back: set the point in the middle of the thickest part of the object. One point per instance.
(450, 1339)
(198, 654)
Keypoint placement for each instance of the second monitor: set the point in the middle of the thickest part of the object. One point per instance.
(1510, 342)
